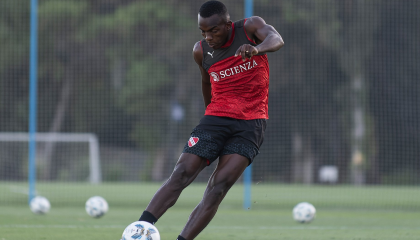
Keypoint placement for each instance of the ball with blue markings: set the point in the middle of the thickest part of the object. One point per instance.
(96, 206)
(304, 212)
(39, 205)
(140, 230)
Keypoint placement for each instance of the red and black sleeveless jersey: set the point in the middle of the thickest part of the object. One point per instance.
(239, 89)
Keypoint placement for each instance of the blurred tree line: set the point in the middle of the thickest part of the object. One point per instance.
(343, 91)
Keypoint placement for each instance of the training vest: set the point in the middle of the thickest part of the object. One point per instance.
(239, 89)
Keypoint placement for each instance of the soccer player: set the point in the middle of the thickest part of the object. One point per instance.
(234, 73)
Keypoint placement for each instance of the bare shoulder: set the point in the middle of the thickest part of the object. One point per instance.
(254, 22)
(197, 47)
(198, 53)
(258, 29)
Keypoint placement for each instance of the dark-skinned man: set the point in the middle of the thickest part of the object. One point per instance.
(235, 78)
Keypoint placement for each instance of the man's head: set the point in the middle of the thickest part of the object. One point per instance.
(214, 23)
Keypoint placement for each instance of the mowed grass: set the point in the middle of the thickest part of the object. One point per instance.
(343, 212)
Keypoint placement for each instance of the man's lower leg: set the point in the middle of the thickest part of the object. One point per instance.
(201, 216)
(163, 199)
(227, 172)
(148, 217)
(186, 170)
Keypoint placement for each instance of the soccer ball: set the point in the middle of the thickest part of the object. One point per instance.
(96, 206)
(138, 229)
(304, 212)
(39, 205)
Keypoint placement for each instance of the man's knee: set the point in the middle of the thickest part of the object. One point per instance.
(219, 185)
(216, 192)
(181, 175)
(184, 174)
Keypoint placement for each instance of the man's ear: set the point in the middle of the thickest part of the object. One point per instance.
(228, 25)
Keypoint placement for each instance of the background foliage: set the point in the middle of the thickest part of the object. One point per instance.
(343, 91)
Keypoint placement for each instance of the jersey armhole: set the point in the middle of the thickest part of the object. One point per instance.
(246, 33)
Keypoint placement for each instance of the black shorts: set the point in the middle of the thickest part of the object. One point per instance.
(217, 136)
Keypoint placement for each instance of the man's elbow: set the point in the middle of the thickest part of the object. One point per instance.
(281, 43)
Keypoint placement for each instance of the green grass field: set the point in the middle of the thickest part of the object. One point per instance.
(344, 212)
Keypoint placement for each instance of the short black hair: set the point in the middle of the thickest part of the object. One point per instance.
(210, 8)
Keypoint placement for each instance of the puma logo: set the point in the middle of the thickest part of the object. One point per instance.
(211, 54)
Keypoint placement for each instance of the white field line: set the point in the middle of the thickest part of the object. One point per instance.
(217, 227)
(20, 190)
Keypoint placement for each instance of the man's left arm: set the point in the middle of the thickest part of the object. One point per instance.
(266, 37)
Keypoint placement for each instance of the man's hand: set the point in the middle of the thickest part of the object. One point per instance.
(246, 51)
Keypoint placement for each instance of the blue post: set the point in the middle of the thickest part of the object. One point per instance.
(249, 8)
(33, 65)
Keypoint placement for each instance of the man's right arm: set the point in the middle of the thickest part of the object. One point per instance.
(205, 77)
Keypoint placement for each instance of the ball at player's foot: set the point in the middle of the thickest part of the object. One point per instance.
(140, 230)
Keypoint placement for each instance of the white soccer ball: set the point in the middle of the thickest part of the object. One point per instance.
(138, 229)
(96, 206)
(39, 205)
(304, 212)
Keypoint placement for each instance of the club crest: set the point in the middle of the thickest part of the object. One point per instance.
(192, 141)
